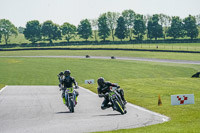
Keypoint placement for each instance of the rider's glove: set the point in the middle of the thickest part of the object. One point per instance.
(76, 87)
(118, 86)
(106, 94)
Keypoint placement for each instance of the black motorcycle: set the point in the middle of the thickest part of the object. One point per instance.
(116, 100)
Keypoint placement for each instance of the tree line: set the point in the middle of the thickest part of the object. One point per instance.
(128, 24)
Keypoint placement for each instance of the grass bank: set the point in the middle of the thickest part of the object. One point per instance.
(120, 53)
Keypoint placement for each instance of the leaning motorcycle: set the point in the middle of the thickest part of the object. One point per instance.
(115, 99)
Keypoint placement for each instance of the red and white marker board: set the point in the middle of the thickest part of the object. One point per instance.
(91, 81)
(182, 99)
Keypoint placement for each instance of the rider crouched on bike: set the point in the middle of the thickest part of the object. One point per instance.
(67, 82)
(104, 88)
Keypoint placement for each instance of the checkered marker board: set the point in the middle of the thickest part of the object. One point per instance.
(89, 81)
(182, 99)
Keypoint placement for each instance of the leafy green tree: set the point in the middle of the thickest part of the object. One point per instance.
(129, 16)
(68, 30)
(121, 30)
(104, 30)
(32, 32)
(191, 27)
(7, 29)
(112, 22)
(21, 30)
(198, 19)
(165, 21)
(0, 37)
(85, 29)
(154, 28)
(94, 23)
(147, 18)
(50, 31)
(139, 27)
(176, 30)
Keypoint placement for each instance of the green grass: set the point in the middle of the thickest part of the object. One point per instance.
(160, 55)
(142, 82)
(1, 86)
(175, 46)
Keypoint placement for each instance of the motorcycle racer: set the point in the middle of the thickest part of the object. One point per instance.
(67, 82)
(104, 88)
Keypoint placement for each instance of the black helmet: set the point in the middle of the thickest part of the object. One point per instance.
(101, 81)
(61, 73)
(67, 73)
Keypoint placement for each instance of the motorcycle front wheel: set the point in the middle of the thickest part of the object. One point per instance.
(118, 107)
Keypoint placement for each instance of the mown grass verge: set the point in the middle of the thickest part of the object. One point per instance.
(142, 82)
(117, 53)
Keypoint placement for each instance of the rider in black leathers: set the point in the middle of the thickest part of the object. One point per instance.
(67, 82)
(104, 88)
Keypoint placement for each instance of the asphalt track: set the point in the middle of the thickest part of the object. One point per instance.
(119, 58)
(39, 109)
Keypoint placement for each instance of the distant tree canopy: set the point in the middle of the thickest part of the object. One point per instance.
(0, 37)
(139, 27)
(191, 27)
(176, 29)
(94, 23)
(85, 29)
(154, 28)
(104, 30)
(7, 29)
(112, 18)
(32, 32)
(68, 31)
(50, 31)
(129, 26)
(21, 30)
(121, 30)
(129, 16)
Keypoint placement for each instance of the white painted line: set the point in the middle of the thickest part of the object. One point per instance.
(3, 88)
(164, 118)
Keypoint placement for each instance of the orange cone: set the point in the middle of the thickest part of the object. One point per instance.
(159, 101)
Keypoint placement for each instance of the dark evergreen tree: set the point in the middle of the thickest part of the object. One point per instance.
(154, 28)
(139, 27)
(121, 30)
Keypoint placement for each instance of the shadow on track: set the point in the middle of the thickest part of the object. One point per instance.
(64, 112)
(109, 115)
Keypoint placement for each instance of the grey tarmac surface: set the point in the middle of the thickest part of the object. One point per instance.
(39, 109)
(118, 58)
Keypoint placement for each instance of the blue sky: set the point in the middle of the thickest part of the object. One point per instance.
(19, 12)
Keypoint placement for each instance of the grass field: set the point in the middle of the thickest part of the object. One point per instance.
(159, 55)
(142, 81)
